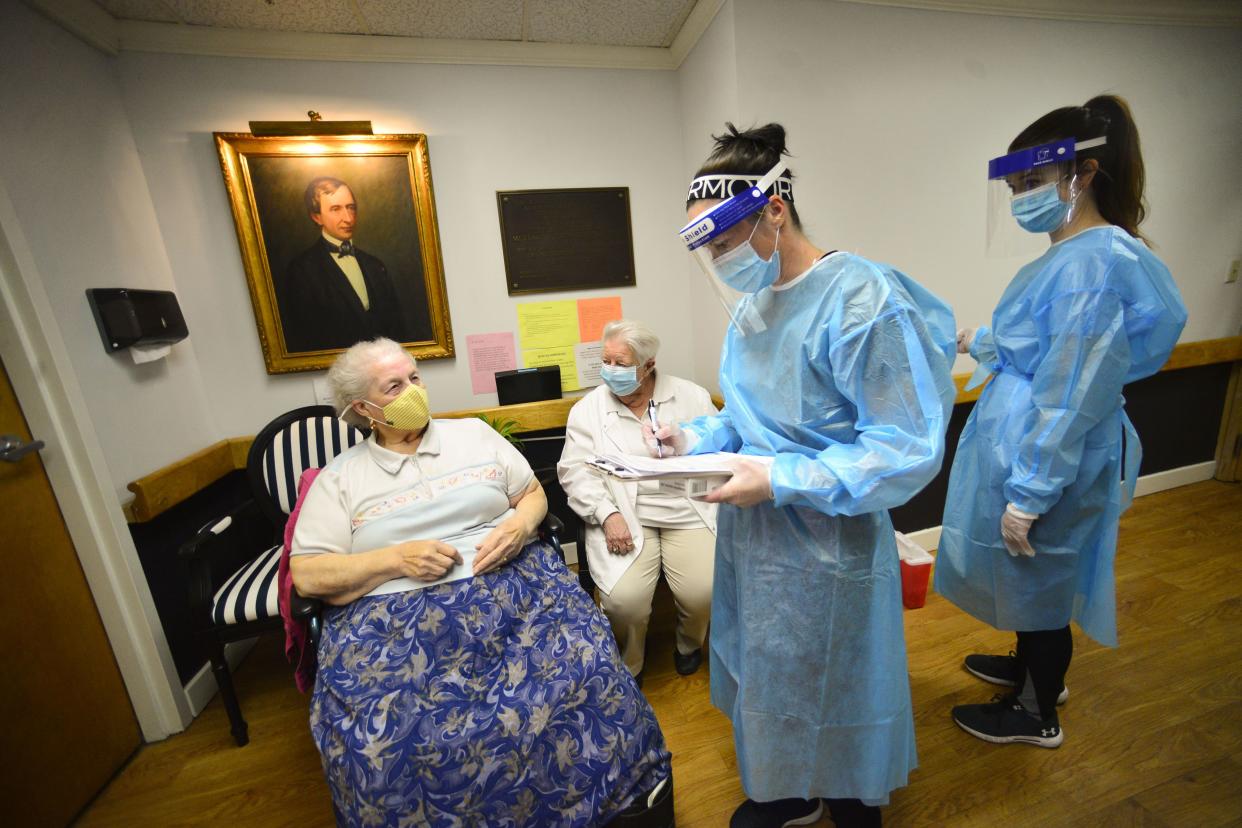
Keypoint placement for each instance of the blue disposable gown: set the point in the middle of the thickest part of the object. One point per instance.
(849, 389)
(1094, 312)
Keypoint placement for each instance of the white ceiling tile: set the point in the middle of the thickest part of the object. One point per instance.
(149, 10)
(627, 23)
(460, 19)
(603, 22)
(651, 23)
(334, 16)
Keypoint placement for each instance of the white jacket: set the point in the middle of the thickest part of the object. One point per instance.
(594, 428)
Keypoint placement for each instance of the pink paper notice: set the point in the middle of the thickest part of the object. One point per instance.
(489, 353)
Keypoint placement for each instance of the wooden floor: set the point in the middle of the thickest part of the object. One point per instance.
(1153, 730)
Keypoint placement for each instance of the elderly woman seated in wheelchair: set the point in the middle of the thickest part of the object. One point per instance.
(464, 676)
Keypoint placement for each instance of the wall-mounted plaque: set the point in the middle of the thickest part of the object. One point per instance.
(566, 239)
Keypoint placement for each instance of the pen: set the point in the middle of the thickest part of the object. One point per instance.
(651, 415)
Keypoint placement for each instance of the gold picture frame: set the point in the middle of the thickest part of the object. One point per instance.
(292, 197)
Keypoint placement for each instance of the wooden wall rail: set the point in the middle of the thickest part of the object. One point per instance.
(165, 488)
(1205, 352)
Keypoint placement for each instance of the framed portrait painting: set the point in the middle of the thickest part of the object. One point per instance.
(340, 243)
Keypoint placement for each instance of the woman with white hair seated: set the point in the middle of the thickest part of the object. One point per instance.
(464, 678)
(634, 530)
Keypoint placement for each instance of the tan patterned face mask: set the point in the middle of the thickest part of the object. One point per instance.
(408, 411)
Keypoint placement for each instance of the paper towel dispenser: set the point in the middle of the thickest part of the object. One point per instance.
(136, 317)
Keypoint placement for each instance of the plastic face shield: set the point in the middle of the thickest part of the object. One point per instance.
(724, 227)
(1031, 192)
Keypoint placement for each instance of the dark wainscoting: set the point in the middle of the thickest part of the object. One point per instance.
(158, 540)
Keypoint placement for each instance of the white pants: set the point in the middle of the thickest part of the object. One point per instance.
(687, 558)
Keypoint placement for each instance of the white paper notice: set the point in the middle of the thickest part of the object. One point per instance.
(589, 356)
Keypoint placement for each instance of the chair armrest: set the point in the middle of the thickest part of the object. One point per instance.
(242, 532)
(303, 608)
(309, 610)
(584, 566)
(550, 531)
(204, 540)
(551, 525)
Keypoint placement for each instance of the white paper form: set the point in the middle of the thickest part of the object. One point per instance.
(642, 467)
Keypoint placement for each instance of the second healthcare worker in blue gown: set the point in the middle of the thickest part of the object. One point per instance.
(1048, 458)
(835, 373)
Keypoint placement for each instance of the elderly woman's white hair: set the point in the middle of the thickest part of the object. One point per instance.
(637, 337)
(350, 376)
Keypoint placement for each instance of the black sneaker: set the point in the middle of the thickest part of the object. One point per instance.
(1002, 670)
(1005, 720)
(687, 664)
(779, 813)
(851, 813)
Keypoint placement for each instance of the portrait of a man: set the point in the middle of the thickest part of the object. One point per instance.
(333, 293)
(339, 240)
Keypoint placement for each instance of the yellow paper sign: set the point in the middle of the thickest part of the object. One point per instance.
(562, 356)
(547, 325)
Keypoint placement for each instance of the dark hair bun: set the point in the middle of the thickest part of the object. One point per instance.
(756, 142)
(750, 152)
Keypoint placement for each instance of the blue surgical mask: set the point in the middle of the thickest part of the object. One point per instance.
(622, 379)
(743, 270)
(1040, 210)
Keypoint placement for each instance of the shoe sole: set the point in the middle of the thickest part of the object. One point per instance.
(1062, 697)
(1039, 741)
(989, 679)
(809, 819)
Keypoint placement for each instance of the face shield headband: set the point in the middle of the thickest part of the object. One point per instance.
(1032, 158)
(734, 208)
(1031, 192)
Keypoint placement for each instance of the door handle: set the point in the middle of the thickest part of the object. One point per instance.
(13, 449)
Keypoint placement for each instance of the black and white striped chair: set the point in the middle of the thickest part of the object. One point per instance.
(233, 602)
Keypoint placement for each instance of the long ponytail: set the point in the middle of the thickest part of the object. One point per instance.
(1119, 191)
(1119, 184)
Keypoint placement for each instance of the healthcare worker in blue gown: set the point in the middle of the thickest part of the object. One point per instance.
(836, 378)
(1048, 459)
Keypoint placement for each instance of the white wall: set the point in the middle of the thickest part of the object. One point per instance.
(707, 88)
(71, 167)
(489, 129)
(75, 213)
(892, 114)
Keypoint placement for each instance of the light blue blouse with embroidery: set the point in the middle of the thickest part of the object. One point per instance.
(455, 488)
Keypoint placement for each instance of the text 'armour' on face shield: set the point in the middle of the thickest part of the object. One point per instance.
(719, 239)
